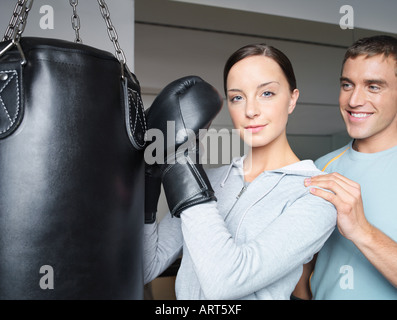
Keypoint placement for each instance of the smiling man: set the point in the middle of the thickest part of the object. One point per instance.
(359, 261)
(368, 101)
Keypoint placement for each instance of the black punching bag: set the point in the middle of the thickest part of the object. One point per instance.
(71, 173)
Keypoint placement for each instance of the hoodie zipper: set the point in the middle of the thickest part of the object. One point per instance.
(237, 197)
(240, 193)
(254, 203)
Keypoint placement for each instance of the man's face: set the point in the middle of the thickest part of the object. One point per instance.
(368, 100)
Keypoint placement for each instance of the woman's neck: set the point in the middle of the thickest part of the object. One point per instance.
(267, 158)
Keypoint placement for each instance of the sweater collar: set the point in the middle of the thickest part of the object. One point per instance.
(304, 168)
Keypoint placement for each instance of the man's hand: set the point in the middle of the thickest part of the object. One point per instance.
(345, 195)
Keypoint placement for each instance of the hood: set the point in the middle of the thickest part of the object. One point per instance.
(305, 168)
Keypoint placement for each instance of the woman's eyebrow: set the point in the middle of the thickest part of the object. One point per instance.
(234, 90)
(258, 87)
(267, 83)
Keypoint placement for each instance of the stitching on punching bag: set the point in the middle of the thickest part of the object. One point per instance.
(11, 116)
(139, 115)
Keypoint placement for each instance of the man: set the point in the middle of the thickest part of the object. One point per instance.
(359, 261)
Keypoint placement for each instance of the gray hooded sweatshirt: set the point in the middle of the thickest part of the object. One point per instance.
(249, 244)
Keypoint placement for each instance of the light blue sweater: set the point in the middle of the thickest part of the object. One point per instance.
(342, 272)
(251, 243)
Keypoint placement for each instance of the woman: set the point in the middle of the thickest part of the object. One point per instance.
(253, 241)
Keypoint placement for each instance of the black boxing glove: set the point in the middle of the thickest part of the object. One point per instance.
(185, 105)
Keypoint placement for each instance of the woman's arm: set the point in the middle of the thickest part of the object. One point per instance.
(230, 271)
(162, 245)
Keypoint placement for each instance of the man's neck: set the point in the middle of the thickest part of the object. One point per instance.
(373, 145)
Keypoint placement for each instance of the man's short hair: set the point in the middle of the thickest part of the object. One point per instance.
(372, 46)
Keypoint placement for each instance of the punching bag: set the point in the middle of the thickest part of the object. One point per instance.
(72, 130)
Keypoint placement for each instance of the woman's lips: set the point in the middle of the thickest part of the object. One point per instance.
(254, 129)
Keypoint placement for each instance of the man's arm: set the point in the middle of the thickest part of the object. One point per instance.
(376, 246)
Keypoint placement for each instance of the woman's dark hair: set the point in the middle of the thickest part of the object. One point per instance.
(261, 50)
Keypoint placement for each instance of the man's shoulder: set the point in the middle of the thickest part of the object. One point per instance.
(326, 159)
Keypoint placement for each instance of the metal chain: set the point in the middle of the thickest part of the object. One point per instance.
(18, 20)
(23, 19)
(19, 17)
(75, 20)
(9, 34)
(112, 31)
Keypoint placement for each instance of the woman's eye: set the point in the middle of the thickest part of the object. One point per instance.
(267, 94)
(236, 98)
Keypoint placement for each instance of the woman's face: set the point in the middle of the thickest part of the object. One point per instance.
(259, 100)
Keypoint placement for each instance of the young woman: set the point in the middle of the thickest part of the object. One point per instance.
(253, 241)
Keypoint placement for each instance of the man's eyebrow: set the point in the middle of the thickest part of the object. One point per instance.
(345, 79)
(375, 81)
(367, 81)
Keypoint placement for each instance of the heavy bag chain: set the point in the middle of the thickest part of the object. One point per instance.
(17, 23)
(19, 17)
(75, 20)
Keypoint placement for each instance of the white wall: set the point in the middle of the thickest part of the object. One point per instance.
(377, 15)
